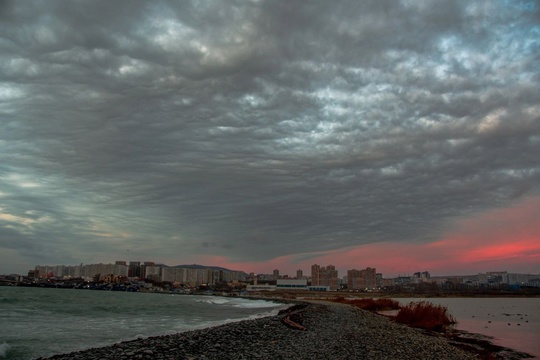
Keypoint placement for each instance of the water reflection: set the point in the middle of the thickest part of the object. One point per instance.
(510, 322)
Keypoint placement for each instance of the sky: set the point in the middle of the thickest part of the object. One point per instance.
(261, 135)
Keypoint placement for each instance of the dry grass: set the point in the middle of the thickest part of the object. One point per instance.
(425, 315)
(370, 304)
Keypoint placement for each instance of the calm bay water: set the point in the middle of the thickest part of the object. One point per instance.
(510, 322)
(42, 322)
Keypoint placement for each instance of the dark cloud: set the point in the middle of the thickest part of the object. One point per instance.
(259, 129)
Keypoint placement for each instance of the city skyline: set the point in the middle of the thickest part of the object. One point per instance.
(273, 274)
(259, 135)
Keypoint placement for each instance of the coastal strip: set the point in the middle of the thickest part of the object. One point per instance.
(329, 331)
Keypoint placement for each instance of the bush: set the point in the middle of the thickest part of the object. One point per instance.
(425, 315)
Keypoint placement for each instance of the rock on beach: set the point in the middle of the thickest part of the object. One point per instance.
(331, 331)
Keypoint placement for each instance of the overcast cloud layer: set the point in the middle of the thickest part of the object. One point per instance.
(256, 129)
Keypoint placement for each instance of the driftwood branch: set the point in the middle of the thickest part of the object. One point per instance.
(287, 321)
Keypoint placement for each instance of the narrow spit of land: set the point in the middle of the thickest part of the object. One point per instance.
(311, 331)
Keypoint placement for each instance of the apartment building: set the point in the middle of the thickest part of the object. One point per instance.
(324, 276)
(365, 279)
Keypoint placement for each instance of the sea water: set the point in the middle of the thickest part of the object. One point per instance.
(510, 322)
(38, 322)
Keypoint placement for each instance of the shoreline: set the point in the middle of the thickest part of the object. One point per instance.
(326, 331)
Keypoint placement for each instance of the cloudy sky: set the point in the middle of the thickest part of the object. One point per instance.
(271, 134)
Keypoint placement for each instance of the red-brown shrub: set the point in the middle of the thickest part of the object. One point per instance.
(425, 315)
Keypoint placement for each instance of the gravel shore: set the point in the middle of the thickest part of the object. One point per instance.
(331, 331)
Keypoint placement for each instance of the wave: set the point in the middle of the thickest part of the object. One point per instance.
(258, 304)
(240, 303)
(214, 301)
(4, 348)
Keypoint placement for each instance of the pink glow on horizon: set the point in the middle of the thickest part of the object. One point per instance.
(505, 239)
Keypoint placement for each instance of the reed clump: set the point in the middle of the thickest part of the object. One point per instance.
(425, 315)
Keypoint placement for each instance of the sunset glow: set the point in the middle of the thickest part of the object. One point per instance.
(472, 248)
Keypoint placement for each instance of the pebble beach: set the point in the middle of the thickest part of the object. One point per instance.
(305, 331)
